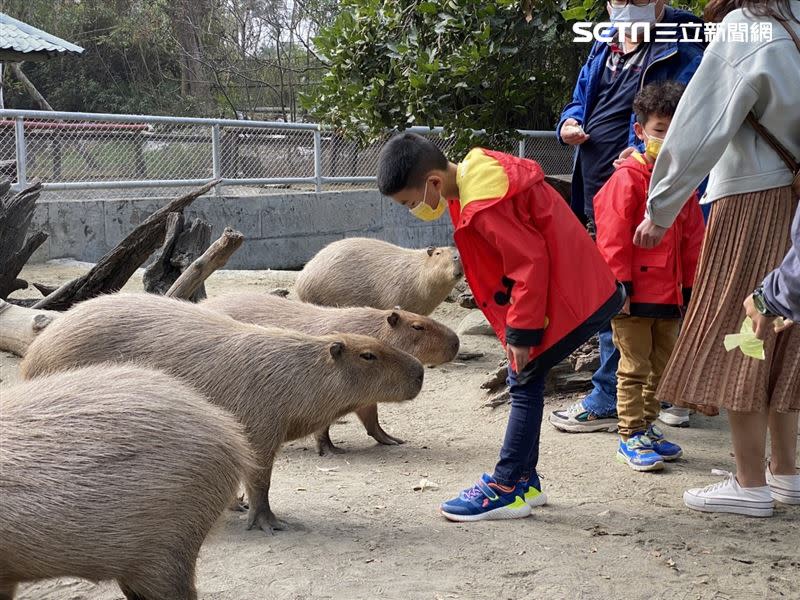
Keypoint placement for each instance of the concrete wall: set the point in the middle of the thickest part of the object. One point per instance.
(281, 231)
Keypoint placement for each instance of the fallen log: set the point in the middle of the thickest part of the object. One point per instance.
(115, 268)
(20, 325)
(212, 259)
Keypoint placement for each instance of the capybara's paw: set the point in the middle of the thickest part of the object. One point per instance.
(266, 521)
(329, 448)
(384, 438)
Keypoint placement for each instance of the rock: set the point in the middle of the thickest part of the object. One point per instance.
(587, 357)
(475, 324)
(467, 300)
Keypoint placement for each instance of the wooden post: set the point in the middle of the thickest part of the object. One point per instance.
(214, 258)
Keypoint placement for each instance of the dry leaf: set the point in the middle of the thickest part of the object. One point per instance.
(425, 484)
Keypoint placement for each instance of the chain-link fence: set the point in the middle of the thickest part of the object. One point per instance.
(80, 155)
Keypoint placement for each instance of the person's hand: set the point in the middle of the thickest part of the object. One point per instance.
(572, 133)
(517, 356)
(623, 155)
(762, 324)
(626, 308)
(648, 234)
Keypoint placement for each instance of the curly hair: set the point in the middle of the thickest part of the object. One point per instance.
(657, 99)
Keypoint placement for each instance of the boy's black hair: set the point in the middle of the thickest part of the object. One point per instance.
(405, 160)
(657, 99)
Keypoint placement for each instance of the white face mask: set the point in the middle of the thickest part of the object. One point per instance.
(630, 13)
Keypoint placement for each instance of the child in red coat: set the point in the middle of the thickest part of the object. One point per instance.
(536, 275)
(658, 281)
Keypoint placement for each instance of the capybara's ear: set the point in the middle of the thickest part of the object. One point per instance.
(337, 349)
(431, 249)
(393, 319)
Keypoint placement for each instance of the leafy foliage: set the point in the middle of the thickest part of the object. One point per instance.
(497, 66)
(462, 64)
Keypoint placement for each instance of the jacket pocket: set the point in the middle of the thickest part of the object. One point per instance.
(649, 259)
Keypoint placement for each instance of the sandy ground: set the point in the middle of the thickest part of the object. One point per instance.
(360, 531)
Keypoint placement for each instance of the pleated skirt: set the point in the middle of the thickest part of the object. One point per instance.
(748, 236)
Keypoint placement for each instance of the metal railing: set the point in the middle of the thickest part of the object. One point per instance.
(118, 154)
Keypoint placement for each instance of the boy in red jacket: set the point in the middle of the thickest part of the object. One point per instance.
(535, 274)
(658, 281)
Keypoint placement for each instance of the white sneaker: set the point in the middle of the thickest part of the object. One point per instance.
(729, 497)
(784, 488)
(674, 416)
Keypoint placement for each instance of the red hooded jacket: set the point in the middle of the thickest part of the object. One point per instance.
(534, 271)
(658, 280)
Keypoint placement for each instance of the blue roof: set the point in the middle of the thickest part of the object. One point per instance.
(19, 37)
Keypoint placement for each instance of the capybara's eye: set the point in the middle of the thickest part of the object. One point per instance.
(368, 356)
(418, 327)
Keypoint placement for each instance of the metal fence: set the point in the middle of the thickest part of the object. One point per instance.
(106, 155)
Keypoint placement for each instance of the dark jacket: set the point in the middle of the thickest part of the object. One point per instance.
(665, 60)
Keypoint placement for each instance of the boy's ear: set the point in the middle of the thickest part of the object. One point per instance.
(638, 130)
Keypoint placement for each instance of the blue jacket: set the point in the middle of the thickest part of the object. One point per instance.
(782, 286)
(673, 60)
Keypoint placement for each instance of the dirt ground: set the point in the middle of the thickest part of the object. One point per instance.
(359, 530)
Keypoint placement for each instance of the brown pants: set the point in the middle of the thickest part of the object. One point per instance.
(645, 346)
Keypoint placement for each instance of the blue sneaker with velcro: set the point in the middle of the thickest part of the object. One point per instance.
(487, 500)
(637, 452)
(668, 450)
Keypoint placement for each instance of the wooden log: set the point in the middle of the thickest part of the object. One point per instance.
(115, 268)
(44, 289)
(212, 259)
(19, 325)
(181, 247)
(16, 246)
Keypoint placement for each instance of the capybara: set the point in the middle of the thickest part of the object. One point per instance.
(280, 384)
(113, 472)
(427, 340)
(367, 272)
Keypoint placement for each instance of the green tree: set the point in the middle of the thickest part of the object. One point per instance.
(461, 64)
(465, 65)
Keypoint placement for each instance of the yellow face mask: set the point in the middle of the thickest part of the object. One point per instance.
(652, 146)
(424, 212)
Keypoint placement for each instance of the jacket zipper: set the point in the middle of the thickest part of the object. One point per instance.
(658, 60)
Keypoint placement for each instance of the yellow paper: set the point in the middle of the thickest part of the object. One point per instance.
(746, 341)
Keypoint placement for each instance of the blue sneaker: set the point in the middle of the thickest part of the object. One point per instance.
(667, 450)
(638, 453)
(486, 500)
(533, 496)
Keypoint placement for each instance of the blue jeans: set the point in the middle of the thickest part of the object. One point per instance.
(520, 452)
(603, 398)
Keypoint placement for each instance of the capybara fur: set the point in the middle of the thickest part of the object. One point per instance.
(367, 272)
(280, 384)
(113, 472)
(427, 340)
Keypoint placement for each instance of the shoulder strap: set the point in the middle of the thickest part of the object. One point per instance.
(785, 155)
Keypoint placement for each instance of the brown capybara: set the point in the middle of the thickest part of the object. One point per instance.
(367, 272)
(113, 472)
(427, 340)
(280, 384)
